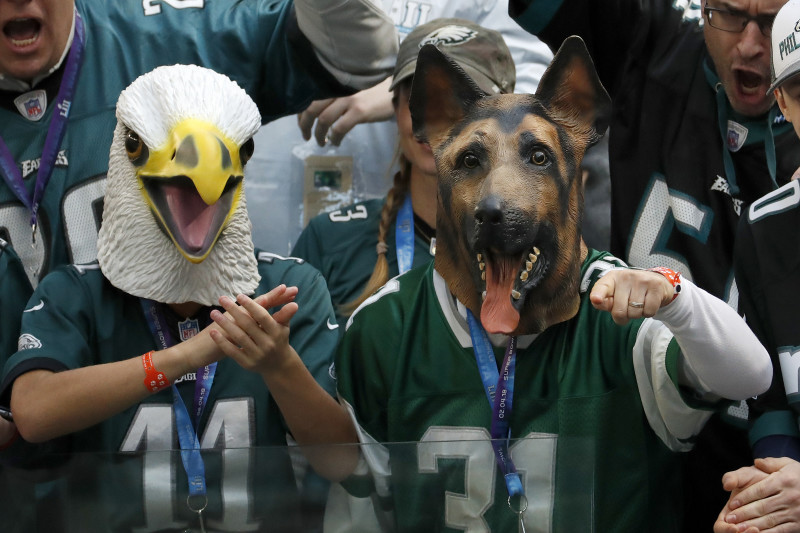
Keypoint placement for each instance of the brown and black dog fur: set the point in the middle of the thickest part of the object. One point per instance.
(510, 190)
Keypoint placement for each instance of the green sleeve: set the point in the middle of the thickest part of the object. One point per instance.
(57, 334)
(313, 329)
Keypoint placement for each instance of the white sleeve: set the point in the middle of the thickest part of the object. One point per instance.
(354, 39)
(720, 352)
(531, 56)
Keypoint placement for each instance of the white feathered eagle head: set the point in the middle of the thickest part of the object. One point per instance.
(175, 227)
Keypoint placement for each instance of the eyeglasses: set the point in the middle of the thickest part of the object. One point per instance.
(736, 21)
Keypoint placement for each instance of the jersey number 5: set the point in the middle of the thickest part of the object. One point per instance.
(153, 7)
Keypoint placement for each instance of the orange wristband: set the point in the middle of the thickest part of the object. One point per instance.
(154, 380)
(673, 277)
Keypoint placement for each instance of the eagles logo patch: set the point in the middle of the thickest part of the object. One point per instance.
(448, 36)
(28, 342)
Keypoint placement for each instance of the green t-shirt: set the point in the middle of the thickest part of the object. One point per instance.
(596, 413)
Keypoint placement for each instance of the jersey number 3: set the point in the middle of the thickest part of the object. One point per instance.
(537, 452)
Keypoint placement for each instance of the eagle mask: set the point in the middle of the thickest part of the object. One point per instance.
(175, 227)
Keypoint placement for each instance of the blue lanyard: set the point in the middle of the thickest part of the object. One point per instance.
(404, 236)
(55, 133)
(499, 389)
(187, 435)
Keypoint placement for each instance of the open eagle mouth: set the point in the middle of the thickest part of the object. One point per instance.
(192, 224)
(507, 280)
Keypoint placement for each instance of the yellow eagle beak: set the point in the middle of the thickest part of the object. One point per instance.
(193, 184)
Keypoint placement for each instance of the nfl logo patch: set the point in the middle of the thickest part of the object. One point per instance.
(737, 135)
(32, 105)
(188, 329)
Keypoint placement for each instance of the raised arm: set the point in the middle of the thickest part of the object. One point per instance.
(721, 354)
(259, 342)
(354, 39)
(49, 404)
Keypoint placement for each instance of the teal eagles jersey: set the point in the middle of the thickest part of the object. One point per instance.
(596, 416)
(341, 244)
(767, 269)
(83, 320)
(257, 44)
(14, 293)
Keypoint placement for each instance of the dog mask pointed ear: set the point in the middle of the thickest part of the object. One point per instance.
(571, 89)
(440, 94)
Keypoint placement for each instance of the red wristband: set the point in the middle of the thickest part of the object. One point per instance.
(673, 277)
(153, 380)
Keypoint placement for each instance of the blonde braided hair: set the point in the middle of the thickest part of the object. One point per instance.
(394, 200)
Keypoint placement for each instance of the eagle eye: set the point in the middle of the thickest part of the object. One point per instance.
(246, 151)
(136, 149)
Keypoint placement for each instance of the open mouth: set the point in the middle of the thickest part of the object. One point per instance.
(22, 32)
(193, 225)
(507, 280)
(749, 81)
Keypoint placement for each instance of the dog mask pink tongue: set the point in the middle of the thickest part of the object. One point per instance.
(497, 313)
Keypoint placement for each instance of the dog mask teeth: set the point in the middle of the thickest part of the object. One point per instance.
(533, 258)
(524, 275)
(515, 294)
(482, 265)
(483, 277)
(483, 295)
(480, 258)
(528, 265)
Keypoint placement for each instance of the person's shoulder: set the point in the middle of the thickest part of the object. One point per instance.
(85, 273)
(397, 297)
(350, 216)
(276, 269)
(596, 264)
(327, 233)
(776, 206)
(75, 283)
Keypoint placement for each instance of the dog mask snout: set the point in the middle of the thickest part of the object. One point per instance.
(489, 211)
(489, 223)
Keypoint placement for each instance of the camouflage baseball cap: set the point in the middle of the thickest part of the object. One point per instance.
(481, 52)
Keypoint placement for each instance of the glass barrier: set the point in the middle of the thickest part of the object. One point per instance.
(432, 485)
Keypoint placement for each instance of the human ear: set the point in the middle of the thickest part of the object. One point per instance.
(782, 103)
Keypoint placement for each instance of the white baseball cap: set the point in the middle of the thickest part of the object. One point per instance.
(785, 44)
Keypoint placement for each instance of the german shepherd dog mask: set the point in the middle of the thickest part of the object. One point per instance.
(510, 203)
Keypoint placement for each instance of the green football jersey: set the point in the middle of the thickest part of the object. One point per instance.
(341, 244)
(596, 417)
(257, 44)
(14, 293)
(80, 319)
